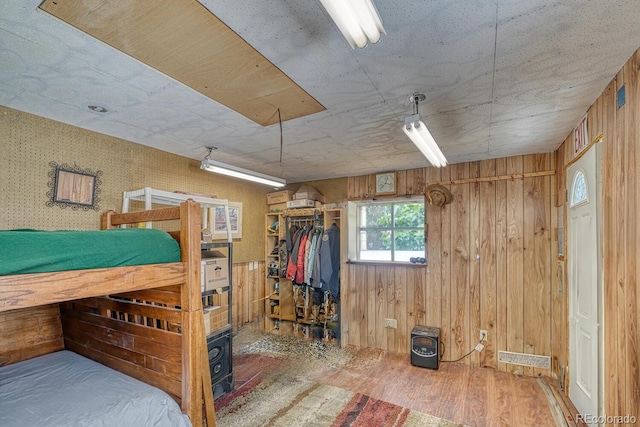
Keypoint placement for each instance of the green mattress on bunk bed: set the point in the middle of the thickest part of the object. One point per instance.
(37, 251)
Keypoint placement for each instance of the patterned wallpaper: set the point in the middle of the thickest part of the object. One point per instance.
(29, 143)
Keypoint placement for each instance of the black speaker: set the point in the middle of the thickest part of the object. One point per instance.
(219, 349)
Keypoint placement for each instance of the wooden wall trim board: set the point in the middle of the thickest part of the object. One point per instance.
(497, 177)
(412, 182)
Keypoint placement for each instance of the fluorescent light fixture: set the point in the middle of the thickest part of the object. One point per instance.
(236, 172)
(358, 20)
(417, 131)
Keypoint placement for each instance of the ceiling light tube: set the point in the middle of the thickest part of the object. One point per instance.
(419, 134)
(236, 172)
(426, 136)
(422, 139)
(357, 20)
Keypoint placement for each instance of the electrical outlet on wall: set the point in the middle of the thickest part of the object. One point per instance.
(391, 323)
(483, 335)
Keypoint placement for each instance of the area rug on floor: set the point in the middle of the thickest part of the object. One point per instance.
(279, 393)
(313, 405)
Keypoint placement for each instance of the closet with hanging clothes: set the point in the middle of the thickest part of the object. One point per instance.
(309, 260)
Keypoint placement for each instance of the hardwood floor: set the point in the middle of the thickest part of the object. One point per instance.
(471, 396)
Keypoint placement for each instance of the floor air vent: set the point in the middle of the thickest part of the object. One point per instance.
(524, 359)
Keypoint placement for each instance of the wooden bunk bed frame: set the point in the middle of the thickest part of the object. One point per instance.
(145, 321)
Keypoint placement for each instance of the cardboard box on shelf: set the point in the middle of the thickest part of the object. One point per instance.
(302, 203)
(215, 271)
(215, 318)
(308, 192)
(219, 319)
(281, 196)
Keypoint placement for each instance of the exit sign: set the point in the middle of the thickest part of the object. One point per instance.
(580, 137)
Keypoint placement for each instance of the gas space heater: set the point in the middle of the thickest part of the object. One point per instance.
(425, 346)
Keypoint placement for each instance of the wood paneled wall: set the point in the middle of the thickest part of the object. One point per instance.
(491, 264)
(620, 235)
(248, 289)
(29, 332)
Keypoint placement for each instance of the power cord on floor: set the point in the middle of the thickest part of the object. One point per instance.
(457, 360)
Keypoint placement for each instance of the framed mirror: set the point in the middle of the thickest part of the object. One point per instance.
(74, 187)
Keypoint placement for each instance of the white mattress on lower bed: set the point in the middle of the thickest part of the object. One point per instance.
(66, 389)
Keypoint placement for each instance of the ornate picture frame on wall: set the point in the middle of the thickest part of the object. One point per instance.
(74, 187)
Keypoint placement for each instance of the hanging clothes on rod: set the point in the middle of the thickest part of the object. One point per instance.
(326, 272)
(302, 242)
(313, 250)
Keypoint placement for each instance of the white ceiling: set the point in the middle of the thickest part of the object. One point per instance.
(501, 78)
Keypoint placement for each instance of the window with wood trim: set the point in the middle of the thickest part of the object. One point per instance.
(390, 230)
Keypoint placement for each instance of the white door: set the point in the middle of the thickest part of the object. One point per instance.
(582, 250)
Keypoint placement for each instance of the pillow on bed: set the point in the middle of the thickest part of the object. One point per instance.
(37, 251)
